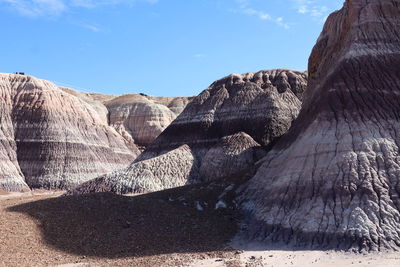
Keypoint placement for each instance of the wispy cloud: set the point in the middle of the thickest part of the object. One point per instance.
(35, 8)
(313, 8)
(38, 8)
(95, 3)
(91, 27)
(318, 9)
(245, 8)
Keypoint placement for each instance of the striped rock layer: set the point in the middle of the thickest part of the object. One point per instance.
(224, 127)
(52, 139)
(139, 118)
(333, 181)
(143, 117)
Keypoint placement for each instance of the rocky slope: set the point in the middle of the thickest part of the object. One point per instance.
(139, 118)
(93, 101)
(143, 117)
(333, 180)
(53, 139)
(225, 127)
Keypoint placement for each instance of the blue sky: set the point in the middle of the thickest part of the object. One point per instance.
(158, 47)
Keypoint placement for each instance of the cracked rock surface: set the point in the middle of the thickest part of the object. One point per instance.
(229, 156)
(333, 181)
(52, 139)
(226, 124)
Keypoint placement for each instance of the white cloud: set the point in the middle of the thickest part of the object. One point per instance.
(94, 3)
(280, 22)
(244, 7)
(242, 3)
(38, 8)
(91, 27)
(318, 9)
(262, 15)
(83, 3)
(35, 8)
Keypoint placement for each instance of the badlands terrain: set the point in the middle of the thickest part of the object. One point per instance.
(224, 130)
(57, 138)
(40, 228)
(271, 168)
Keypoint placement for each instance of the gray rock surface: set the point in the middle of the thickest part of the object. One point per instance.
(52, 139)
(230, 155)
(169, 170)
(333, 181)
(229, 120)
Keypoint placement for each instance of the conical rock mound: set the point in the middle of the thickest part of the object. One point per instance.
(333, 180)
(52, 139)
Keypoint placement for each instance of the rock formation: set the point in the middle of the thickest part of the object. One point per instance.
(11, 178)
(52, 139)
(227, 123)
(139, 118)
(230, 155)
(93, 100)
(333, 180)
(143, 117)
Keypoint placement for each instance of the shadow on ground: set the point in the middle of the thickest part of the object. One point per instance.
(113, 226)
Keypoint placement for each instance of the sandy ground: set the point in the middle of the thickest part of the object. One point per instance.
(42, 229)
(35, 193)
(303, 259)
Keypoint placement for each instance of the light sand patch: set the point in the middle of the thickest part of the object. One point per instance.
(280, 258)
(13, 195)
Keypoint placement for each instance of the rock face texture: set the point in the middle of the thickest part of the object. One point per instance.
(333, 180)
(171, 169)
(143, 117)
(11, 178)
(52, 139)
(226, 124)
(93, 101)
(139, 118)
(261, 104)
(229, 156)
